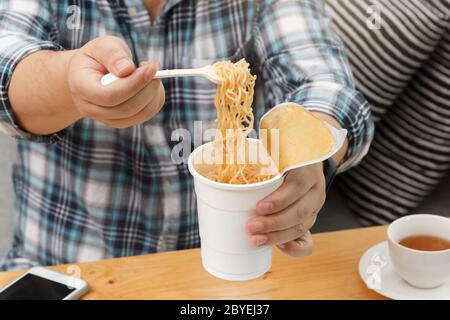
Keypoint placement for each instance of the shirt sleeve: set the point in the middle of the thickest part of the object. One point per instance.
(25, 27)
(302, 61)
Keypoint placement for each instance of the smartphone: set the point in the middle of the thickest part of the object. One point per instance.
(44, 284)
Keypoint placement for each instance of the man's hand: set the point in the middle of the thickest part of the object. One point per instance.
(285, 216)
(132, 100)
(50, 90)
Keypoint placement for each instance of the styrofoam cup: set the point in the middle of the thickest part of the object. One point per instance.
(223, 211)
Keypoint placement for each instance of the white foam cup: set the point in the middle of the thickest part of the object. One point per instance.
(223, 212)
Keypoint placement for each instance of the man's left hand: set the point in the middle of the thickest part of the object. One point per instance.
(286, 215)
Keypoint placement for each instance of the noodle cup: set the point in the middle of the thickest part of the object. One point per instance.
(223, 212)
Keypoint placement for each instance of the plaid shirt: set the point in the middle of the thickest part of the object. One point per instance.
(93, 192)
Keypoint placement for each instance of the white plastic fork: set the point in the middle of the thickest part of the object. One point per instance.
(206, 72)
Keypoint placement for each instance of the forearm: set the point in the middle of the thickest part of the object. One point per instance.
(40, 95)
(306, 64)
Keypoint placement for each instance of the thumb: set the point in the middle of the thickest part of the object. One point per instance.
(114, 54)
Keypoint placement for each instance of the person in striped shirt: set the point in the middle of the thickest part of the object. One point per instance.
(94, 177)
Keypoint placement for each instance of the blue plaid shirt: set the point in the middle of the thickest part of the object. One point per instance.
(93, 192)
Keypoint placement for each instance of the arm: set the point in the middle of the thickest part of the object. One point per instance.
(303, 62)
(45, 89)
(42, 79)
(23, 32)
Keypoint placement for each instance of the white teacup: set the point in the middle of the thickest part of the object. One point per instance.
(422, 269)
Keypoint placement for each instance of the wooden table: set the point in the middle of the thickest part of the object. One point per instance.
(330, 273)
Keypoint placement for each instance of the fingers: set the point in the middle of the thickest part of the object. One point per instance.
(90, 89)
(278, 237)
(114, 54)
(302, 212)
(109, 54)
(131, 100)
(298, 248)
(296, 184)
(147, 96)
(85, 84)
(125, 88)
(289, 227)
(145, 114)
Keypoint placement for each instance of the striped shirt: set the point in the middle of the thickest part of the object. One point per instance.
(92, 192)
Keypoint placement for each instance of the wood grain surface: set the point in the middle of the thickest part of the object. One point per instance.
(330, 273)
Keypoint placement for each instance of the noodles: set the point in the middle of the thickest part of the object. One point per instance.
(235, 120)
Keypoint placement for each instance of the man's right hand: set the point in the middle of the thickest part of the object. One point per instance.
(131, 100)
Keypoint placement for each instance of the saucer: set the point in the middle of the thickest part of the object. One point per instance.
(376, 270)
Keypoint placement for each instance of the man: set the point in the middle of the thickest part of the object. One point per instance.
(94, 178)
